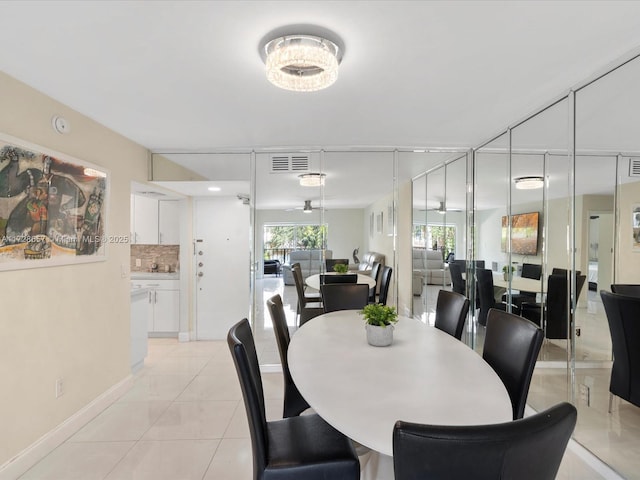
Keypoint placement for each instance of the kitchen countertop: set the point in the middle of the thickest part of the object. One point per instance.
(155, 276)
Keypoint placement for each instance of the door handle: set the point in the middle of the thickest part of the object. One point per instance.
(200, 274)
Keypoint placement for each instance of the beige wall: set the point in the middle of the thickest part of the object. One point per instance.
(67, 321)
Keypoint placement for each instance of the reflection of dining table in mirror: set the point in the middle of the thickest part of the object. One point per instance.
(313, 281)
(425, 376)
(500, 285)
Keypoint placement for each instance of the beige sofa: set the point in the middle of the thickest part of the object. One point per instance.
(311, 262)
(429, 269)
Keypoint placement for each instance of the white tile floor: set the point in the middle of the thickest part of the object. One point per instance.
(184, 419)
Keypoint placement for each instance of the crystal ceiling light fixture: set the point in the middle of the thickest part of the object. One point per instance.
(311, 179)
(528, 183)
(302, 63)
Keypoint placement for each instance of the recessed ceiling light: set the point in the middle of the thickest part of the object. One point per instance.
(311, 179)
(529, 183)
(214, 189)
(302, 63)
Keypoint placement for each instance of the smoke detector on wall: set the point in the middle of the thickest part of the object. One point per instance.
(60, 124)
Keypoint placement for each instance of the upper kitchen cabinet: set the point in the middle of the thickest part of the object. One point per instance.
(153, 221)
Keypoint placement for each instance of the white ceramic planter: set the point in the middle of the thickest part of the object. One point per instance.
(379, 336)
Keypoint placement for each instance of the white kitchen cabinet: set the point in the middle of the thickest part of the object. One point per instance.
(154, 221)
(144, 227)
(168, 222)
(163, 300)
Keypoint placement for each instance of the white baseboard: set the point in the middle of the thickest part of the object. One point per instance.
(183, 337)
(35, 452)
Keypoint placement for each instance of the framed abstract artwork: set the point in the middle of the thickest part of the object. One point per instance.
(52, 207)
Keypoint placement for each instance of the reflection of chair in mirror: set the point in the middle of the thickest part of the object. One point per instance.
(527, 449)
(529, 270)
(332, 262)
(458, 284)
(556, 315)
(338, 278)
(385, 282)
(344, 296)
(486, 295)
(451, 312)
(628, 289)
(303, 446)
(307, 309)
(511, 347)
(623, 313)
(294, 403)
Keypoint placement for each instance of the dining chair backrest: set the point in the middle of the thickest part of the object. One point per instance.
(332, 262)
(531, 270)
(451, 312)
(376, 268)
(457, 282)
(294, 403)
(344, 296)
(338, 278)
(527, 449)
(245, 359)
(486, 296)
(298, 280)
(385, 282)
(623, 313)
(511, 347)
(631, 290)
(557, 311)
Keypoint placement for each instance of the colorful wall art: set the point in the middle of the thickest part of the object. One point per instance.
(52, 207)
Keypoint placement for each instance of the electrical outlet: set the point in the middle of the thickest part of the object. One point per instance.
(138, 262)
(585, 394)
(59, 387)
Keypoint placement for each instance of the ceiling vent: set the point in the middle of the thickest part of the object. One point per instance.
(634, 166)
(287, 163)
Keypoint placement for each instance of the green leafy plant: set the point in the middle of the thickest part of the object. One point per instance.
(340, 268)
(379, 315)
(505, 269)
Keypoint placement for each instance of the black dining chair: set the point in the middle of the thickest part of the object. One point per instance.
(329, 263)
(451, 312)
(458, 283)
(555, 316)
(375, 274)
(294, 403)
(486, 295)
(527, 449)
(511, 347)
(307, 309)
(628, 289)
(344, 296)
(338, 278)
(385, 282)
(623, 313)
(303, 446)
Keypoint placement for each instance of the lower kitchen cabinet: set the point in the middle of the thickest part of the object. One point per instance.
(163, 299)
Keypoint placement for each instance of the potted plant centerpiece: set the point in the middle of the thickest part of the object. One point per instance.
(379, 323)
(340, 268)
(507, 272)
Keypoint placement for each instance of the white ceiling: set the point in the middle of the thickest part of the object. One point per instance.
(187, 76)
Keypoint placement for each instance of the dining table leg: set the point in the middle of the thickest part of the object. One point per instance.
(376, 466)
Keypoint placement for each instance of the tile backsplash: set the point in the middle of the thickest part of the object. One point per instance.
(162, 255)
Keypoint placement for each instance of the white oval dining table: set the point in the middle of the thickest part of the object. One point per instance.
(425, 376)
(313, 281)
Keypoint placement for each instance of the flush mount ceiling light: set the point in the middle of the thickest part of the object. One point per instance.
(529, 183)
(311, 179)
(307, 207)
(302, 63)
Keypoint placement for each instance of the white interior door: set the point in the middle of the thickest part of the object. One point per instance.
(605, 251)
(222, 256)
